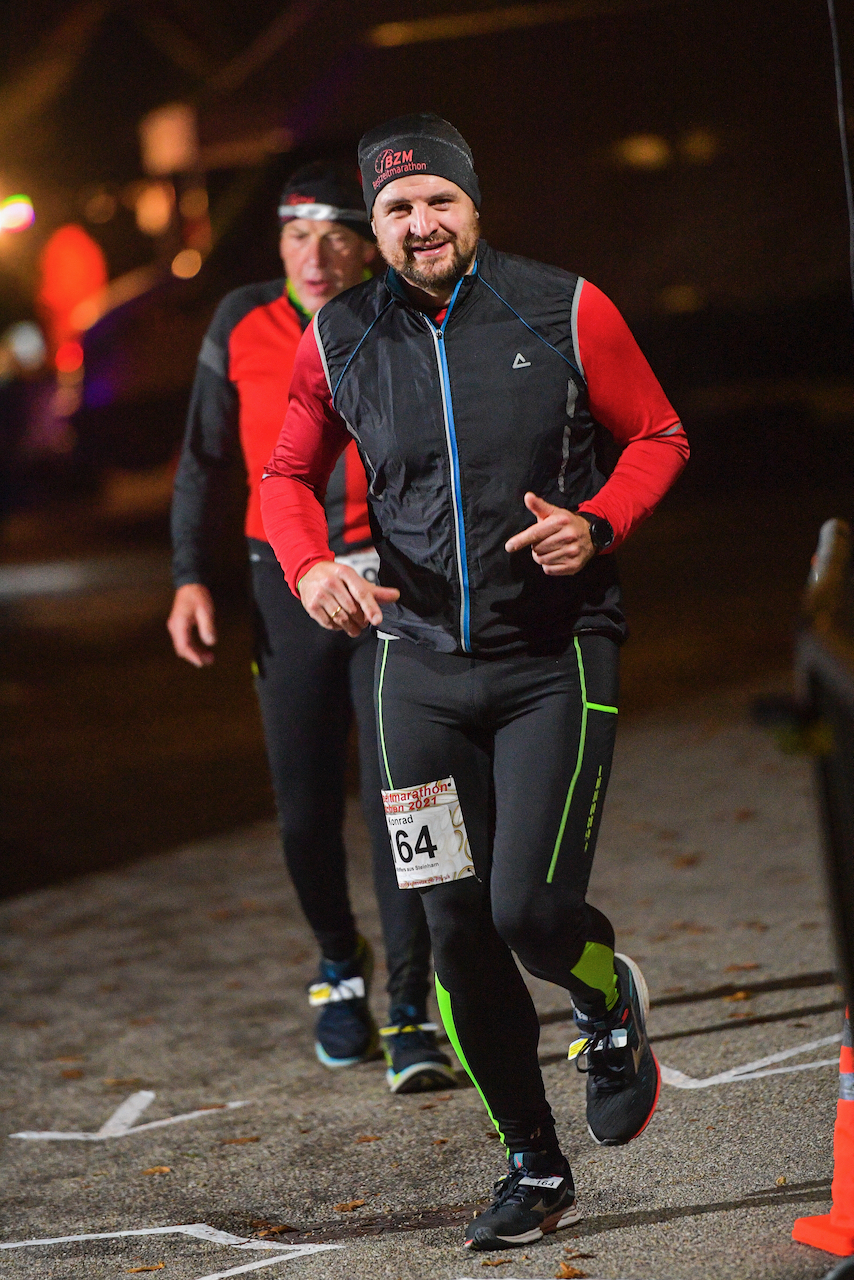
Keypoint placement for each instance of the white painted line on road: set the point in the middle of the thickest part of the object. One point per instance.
(121, 1122)
(294, 1251)
(754, 1070)
(201, 1231)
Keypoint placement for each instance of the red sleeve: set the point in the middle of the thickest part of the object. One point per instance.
(294, 483)
(626, 398)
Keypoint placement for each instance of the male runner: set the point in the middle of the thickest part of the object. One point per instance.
(308, 682)
(476, 385)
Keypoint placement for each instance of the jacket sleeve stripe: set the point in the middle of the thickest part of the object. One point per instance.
(576, 299)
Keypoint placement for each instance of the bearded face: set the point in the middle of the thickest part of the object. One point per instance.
(428, 230)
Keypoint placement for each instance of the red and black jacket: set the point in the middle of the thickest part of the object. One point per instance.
(238, 405)
(455, 422)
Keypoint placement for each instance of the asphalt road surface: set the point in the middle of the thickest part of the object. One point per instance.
(179, 982)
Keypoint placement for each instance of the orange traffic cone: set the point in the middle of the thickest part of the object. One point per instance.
(834, 1231)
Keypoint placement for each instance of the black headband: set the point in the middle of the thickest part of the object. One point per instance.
(412, 145)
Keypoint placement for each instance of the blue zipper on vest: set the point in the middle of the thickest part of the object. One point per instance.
(453, 456)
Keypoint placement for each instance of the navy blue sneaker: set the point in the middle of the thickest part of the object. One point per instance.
(623, 1076)
(536, 1197)
(414, 1060)
(345, 1032)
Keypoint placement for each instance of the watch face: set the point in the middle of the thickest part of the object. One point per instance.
(601, 533)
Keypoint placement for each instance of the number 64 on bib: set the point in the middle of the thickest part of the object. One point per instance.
(428, 834)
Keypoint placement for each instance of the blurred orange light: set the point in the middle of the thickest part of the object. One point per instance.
(69, 357)
(186, 264)
(16, 213)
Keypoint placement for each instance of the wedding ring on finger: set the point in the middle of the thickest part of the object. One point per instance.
(332, 615)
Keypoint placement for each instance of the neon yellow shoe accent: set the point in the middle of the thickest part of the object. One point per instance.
(577, 1047)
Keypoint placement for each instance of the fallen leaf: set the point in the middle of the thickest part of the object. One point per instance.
(494, 1262)
(686, 860)
(69, 1058)
(744, 815)
(347, 1206)
(141, 1022)
(443, 1097)
(738, 995)
(276, 1231)
(238, 1142)
(709, 1127)
(213, 1106)
(369, 1137)
(157, 1266)
(159, 1168)
(781, 1181)
(427, 1106)
(440, 1142)
(573, 1254)
(566, 1272)
(73, 1074)
(741, 968)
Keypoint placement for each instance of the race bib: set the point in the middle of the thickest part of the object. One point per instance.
(428, 834)
(365, 563)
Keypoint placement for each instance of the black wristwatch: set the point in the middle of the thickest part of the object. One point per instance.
(601, 533)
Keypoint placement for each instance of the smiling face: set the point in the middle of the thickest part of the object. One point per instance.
(321, 259)
(427, 229)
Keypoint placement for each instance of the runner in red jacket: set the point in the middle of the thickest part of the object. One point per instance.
(309, 682)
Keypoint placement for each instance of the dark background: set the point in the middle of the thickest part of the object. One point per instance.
(729, 259)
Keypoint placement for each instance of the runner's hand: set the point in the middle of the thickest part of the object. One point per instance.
(340, 599)
(559, 541)
(191, 624)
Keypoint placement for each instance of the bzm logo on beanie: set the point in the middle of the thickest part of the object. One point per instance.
(388, 159)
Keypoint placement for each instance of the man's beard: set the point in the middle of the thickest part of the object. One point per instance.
(443, 277)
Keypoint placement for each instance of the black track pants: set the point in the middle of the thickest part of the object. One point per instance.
(309, 684)
(529, 742)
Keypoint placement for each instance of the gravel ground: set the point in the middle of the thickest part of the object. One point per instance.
(184, 975)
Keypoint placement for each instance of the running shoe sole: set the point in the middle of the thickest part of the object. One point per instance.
(643, 993)
(420, 1077)
(486, 1239)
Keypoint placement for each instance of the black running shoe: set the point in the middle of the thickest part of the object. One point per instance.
(415, 1062)
(345, 1032)
(530, 1201)
(623, 1076)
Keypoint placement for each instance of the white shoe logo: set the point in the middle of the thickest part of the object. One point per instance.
(520, 362)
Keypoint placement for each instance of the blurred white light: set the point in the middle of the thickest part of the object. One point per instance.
(26, 342)
(186, 264)
(16, 213)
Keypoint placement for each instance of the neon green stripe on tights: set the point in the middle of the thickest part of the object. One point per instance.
(596, 969)
(444, 1001)
(582, 738)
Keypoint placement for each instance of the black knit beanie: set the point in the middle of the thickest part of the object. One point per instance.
(325, 192)
(423, 143)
